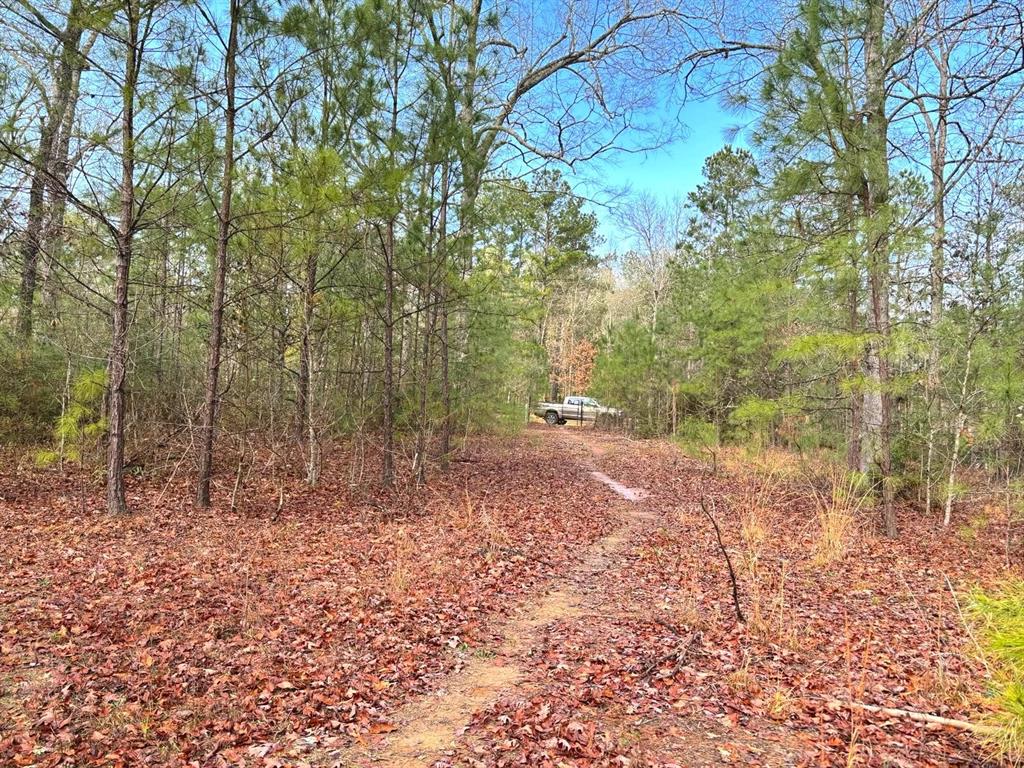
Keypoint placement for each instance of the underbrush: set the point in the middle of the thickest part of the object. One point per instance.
(839, 507)
(998, 616)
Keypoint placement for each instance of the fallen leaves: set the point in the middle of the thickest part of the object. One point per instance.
(191, 638)
(188, 638)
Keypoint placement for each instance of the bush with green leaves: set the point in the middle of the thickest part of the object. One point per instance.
(30, 393)
(696, 436)
(999, 617)
(82, 423)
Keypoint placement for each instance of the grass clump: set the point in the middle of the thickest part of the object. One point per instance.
(999, 618)
(837, 509)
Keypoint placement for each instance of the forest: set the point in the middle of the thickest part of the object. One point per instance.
(279, 285)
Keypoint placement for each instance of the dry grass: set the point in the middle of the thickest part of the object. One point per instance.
(400, 577)
(779, 704)
(741, 680)
(756, 506)
(471, 522)
(954, 691)
(837, 510)
(462, 517)
(770, 619)
(768, 616)
(688, 610)
(494, 538)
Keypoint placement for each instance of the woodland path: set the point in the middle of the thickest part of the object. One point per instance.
(430, 726)
(573, 623)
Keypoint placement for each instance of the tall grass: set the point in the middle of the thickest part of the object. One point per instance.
(998, 616)
(400, 578)
(836, 510)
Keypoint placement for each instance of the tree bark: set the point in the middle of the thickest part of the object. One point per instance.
(853, 445)
(876, 216)
(220, 269)
(388, 466)
(423, 426)
(958, 427)
(44, 167)
(118, 363)
(305, 350)
(33, 234)
(446, 389)
(53, 249)
(938, 138)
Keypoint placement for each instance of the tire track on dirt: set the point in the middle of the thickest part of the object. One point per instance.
(432, 724)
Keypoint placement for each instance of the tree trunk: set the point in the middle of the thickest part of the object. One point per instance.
(58, 192)
(43, 173)
(33, 233)
(118, 363)
(938, 140)
(302, 392)
(313, 438)
(673, 389)
(442, 308)
(856, 431)
(220, 269)
(422, 426)
(446, 387)
(958, 427)
(877, 216)
(388, 467)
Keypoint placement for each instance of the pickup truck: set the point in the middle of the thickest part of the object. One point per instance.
(573, 408)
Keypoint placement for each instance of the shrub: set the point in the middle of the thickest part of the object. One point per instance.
(695, 436)
(82, 422)
(30, 395)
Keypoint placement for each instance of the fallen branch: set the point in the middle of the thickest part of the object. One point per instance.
(728, 562)
(909, 714)
(678, 654)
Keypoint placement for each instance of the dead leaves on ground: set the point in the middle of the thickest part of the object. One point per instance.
(184, 637)
(180, 637)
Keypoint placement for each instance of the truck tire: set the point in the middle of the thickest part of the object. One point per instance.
(551, 418)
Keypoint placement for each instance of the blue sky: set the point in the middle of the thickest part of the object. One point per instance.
(667, 172)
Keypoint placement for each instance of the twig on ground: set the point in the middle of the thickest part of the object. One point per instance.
(728, 561)
(678, 655)
(909, 714)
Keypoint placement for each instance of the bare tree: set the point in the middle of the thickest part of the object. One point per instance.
(220, 263)
(655, 228)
